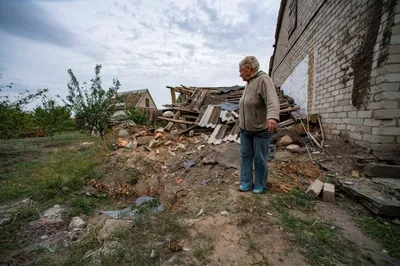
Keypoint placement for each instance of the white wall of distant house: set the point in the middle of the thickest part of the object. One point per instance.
(296, 84)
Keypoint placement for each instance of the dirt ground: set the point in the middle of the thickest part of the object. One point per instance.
(225, 226)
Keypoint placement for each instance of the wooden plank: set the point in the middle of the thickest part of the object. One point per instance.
(177, 121)
(170, 124)
(190, 116)
(290, 109)
(173, 96)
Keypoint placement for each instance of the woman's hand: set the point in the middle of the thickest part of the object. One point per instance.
(271, 125)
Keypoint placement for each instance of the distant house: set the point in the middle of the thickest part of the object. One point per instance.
(341, 60)
(140, 99)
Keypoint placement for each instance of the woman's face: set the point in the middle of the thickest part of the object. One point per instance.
(245, 73)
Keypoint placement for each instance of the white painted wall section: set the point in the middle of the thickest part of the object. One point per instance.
(296, 85)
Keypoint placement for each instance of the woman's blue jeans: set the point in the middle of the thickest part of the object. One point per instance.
(253, 148)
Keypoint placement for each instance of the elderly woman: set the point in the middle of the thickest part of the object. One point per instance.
(259, 114)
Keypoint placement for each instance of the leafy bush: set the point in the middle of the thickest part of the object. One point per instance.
(136, 115)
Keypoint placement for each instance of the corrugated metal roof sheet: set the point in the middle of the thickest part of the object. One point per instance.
(234, 134)
(218, 134)
(210, 117)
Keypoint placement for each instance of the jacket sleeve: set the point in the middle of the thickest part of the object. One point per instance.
(268, 93)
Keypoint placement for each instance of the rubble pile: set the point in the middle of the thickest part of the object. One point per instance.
(216, 109)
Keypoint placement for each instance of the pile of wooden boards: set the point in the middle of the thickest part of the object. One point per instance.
(192, 102)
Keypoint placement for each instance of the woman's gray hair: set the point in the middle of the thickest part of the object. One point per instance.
(250, 61)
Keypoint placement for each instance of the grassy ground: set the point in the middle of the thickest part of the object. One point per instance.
(40, 167)
(47, 171)
(383, 232)
(321, 243)
(146, 242)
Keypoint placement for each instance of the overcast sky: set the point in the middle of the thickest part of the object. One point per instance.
(144, 43)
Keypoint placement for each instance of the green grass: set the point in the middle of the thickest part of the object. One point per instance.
(383, 232)
(40, 167)
(85, 205)
(149, 232)
(321, 243)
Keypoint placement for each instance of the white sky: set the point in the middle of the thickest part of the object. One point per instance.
(145, 44)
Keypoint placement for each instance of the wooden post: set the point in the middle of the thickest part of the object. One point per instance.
(173, 96)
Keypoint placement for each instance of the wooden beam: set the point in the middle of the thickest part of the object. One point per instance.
(173, 96)
(170, 124)
(177, 121)
(290, 109)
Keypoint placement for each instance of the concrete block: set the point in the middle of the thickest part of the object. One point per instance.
(329, 192)
(315, 188)
(386, 113)
(355, 136)
(364, 114)
(378, 139)
(382, 170)
(386, 131)
(372, 122)
(357, 121)
(387, 95)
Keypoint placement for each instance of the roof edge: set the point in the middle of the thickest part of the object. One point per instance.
(277, 31)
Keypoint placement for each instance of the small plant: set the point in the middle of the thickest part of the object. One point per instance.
(203, 251)
(82, 205)
(136, 115)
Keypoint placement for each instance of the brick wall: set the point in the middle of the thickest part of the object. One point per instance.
(354, 63)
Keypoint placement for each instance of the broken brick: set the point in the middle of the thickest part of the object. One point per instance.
(329, 192)
(315, 188)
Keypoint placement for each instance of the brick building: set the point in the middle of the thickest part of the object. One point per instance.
(341, 59)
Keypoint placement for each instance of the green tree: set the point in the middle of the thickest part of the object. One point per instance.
(52, 118)
(94, 105)
(15, 121)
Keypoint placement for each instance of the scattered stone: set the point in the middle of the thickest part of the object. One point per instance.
(315, 188)
(168, 114)
(87, 143)
(384, 251)
(131, 144)
(173, 154)
(268, 213)
(111, 226)
(123, 133)
(54, 213)
(160, 129)
(224, 213)
(396, 221)
(186, 249)
(209, 161)
(355, 174)
(293, 148)
(28, 200)
(329, 192)
(181, 146)
(157, 152)
(158, 135)
(144, 140)
(200, 212)
(153, 144)
(285, 141)
(200, 147)
(204, 136)
(382, 170)
(76, 224)
(191, 133)
(348, 183)
(168, 142)
(153, 254)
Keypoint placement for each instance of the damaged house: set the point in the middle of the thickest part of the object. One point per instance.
(341, 60)
(140, 99)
